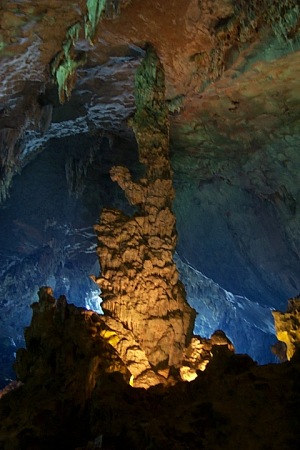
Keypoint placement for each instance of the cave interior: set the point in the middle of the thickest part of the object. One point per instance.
(68, 115)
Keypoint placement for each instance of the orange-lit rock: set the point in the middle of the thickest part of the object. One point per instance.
(75, 392)
(77, 346)
(287, 327)
(139, 280)
(200, 352)
(68, 346)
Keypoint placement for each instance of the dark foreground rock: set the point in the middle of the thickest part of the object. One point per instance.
(74, 392)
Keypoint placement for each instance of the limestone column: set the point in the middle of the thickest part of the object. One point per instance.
(139, 279)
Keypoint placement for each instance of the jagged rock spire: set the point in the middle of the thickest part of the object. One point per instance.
(139, 280)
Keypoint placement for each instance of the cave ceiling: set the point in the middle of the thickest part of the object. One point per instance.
(233, 92)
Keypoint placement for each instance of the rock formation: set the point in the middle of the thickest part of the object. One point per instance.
(139, 279)
(232, 87)
(77, 343)
(200, 352)
(287, 327)
(73, 392)
(69, 342)
(219, 309)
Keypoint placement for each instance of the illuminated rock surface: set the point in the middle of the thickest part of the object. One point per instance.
(74, 393)
(287, 326)
(200, 352)
(77, 342)
(232, 88)
(139, 280)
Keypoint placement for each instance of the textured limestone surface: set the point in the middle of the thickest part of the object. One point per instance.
(73, 391)
(200, 352)
(77, 343)
(77, 346)
(139, 280)
(232, 89)
(62, 337)
(249, 325)
(287, 327)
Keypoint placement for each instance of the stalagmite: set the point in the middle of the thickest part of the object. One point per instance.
(139, 280)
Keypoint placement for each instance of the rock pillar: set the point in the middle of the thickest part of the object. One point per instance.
(139, 280)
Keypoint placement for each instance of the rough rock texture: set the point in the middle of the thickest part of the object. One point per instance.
(70, 341)
(75, 342)
(73, 393)
(139, 280)
(199, 353)
(287, 327)
(62, 337)
(249, 325)
(232, 88)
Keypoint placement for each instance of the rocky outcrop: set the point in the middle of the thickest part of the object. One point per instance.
(232, 87)
(235, 140)
(287, 327)
(76, 346)
(67, 342)
(139, 280)
(200, 352)
(30, 114)
(74, 393)
(72, 343)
